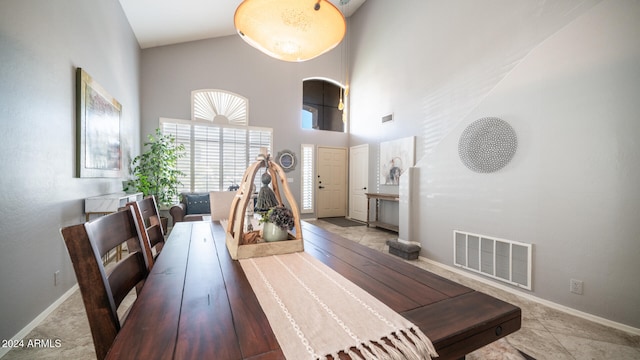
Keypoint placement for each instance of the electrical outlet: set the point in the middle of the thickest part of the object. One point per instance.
(56, 275)
(575, 286)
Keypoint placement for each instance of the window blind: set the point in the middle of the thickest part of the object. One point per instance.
(217, 155)
(307, 178)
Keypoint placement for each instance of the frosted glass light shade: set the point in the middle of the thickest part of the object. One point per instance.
(290, 30)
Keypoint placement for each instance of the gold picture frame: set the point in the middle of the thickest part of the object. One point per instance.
(99, 144)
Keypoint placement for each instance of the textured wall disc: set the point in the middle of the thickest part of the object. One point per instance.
(487, 145)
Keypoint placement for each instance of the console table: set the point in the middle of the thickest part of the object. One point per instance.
(380, 197)
(107, 204)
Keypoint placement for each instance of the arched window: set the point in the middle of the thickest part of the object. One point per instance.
(219, 143)
(322, 105)
(220, 107)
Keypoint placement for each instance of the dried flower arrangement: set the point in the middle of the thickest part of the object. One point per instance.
(279, 216)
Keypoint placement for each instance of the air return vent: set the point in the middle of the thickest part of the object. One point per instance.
(505, 260)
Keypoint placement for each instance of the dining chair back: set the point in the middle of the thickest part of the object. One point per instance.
(103, 289)
(151, 231)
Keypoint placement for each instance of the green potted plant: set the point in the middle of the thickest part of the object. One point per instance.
(155, 171)
(277, 223)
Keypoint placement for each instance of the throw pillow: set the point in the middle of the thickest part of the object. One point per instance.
(197, 204)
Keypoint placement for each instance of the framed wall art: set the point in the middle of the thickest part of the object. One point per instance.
(396, 156)
(99, 145)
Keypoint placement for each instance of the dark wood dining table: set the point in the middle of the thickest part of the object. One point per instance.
(197, 302)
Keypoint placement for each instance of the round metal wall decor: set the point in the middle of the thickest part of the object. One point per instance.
(287, 160)
(487, 145)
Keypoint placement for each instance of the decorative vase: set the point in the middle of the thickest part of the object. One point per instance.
(272, 232)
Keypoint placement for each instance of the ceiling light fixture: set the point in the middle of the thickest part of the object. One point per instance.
(290, 30)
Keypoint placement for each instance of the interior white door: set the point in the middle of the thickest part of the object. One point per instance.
(331, 182)
(358, 181)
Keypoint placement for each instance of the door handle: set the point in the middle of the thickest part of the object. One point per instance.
(320, 187)
(364, 188)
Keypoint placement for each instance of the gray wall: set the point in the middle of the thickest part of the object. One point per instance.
(41, 44)
(566, 76)
(273, 88)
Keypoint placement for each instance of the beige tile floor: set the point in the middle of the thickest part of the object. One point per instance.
(545, 334)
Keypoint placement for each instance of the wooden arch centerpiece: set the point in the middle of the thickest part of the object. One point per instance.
(238, 246)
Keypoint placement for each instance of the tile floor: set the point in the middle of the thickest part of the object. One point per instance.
(546, 333)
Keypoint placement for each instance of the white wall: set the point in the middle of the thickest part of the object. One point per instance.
(566, 77)
(273, 88)
(41, 44)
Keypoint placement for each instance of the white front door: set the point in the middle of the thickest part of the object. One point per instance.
(331, 182)
(358, 181)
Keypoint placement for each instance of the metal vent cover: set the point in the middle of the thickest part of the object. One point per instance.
(505, 260)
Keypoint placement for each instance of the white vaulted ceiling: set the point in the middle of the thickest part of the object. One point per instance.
(165, 22)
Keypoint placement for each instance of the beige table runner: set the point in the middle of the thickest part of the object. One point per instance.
(315, 312)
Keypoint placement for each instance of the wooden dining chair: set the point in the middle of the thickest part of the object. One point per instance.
(103, 289)
(151, 231)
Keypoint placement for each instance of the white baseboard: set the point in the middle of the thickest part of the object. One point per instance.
(556, 306)
(35, 322)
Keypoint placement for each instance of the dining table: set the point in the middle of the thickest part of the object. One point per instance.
(197, 303)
